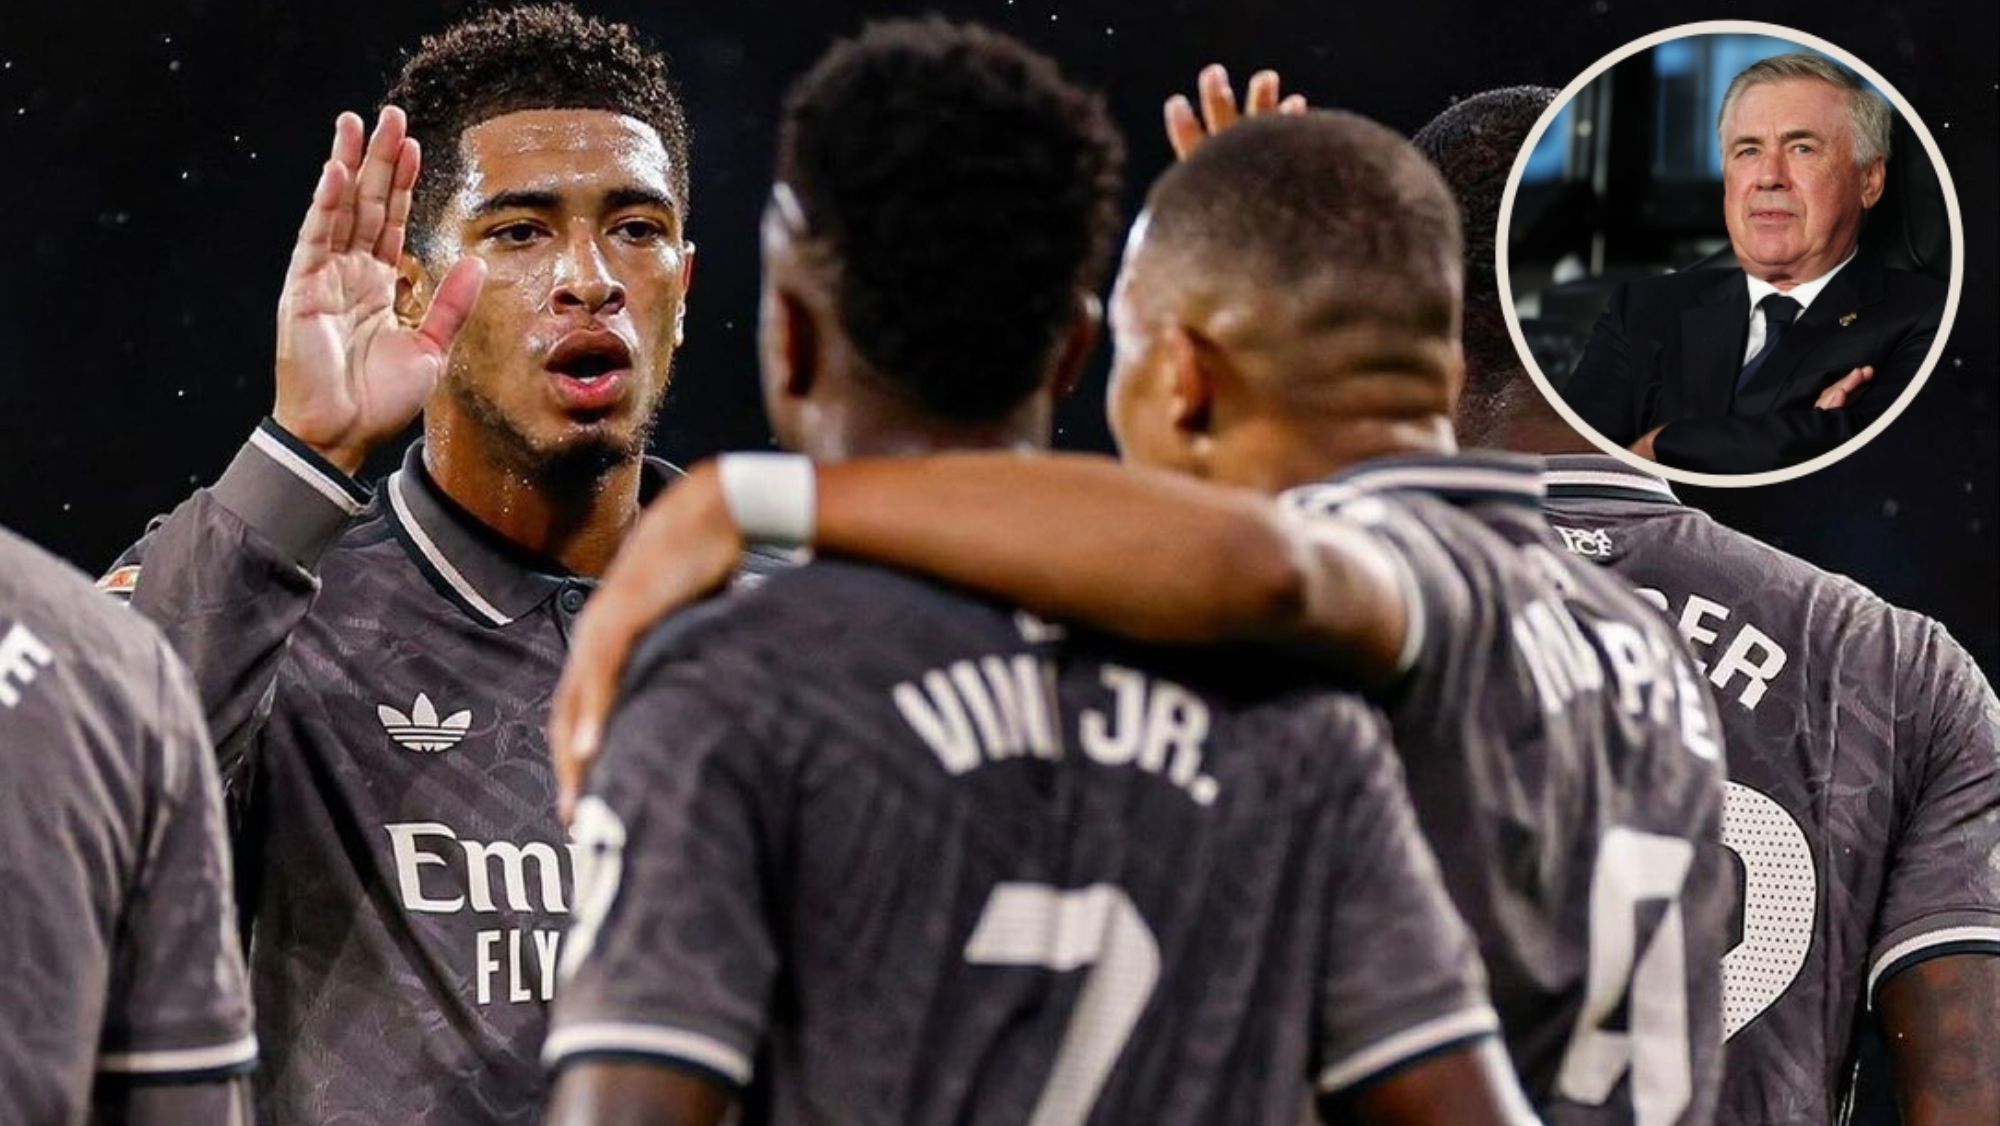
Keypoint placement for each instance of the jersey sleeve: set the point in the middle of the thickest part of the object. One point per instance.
(229, 574)
(1401, 977)
(1436, 599)
(179, 999)
(1941, 894)
(671, 955)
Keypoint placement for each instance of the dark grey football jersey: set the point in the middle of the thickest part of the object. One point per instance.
(118, 953)
(1566, 766)
(376, 671)
(876, 853)
(1864, 765)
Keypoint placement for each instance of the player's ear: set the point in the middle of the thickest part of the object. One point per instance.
(414, 289)
(687, 284)
(1872, 182)
(1455, 376)
(798, 344)
(1078, 343)
(1191, 382)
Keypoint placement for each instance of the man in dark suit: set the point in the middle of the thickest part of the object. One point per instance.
(1757, 368)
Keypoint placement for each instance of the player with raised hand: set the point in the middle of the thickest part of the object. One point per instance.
(1864, 745)
(1287, 324)
(868, 849)
(350, 374)
(375, 665)
(1218, 106)
(126, 1002)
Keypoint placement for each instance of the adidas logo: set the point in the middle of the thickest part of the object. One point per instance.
(422, 730)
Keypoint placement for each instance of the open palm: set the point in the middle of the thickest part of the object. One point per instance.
(349, 373)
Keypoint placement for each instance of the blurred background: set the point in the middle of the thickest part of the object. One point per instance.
(1627, 182)
(159, 156)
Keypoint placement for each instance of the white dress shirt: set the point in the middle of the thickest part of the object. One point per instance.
(1803, 293)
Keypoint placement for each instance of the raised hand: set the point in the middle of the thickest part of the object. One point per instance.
(349, 374)
(1218, 107)
(1839, 393)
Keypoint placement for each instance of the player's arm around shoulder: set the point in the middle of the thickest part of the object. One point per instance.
(1237, 568)
(1240, 567)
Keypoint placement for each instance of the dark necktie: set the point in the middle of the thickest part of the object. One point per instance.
(1779, 313)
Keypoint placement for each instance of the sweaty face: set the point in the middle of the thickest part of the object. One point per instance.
(568, 352)
(1793, 196)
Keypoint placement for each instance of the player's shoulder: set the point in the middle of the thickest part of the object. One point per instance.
(788, 617)
(1824, 609)
(50, 595)
(1838, 604)
(1457, 531)
(50, 607)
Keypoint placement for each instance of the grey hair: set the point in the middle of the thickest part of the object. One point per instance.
(1866, 111)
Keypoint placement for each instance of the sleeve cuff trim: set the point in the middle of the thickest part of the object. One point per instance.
(653, 1041)
(235, 1054)
(343, 491)
(1415, 620)
(1910, 951)
(1408, 1044)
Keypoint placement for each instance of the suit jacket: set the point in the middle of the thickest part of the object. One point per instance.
(1667, 352)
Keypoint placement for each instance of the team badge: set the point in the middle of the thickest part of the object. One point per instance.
(121, 581)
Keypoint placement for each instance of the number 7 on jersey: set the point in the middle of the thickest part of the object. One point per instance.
(1097, 926)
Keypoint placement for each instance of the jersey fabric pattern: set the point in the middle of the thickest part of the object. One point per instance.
(376, 671)
(118, 955)
(1559, 750)
(866, 851)
(1864, 764)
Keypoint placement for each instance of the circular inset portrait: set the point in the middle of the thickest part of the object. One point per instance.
(1730, 253)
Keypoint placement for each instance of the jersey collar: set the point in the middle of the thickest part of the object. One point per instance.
(490, 579)
(1482, 475)
(1598, 476)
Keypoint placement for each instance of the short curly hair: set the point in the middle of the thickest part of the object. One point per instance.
(966, 191)
(1474, 143)
(537, 56)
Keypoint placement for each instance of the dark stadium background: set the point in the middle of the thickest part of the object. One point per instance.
(157, 157)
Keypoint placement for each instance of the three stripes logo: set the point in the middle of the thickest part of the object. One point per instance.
(422, 731)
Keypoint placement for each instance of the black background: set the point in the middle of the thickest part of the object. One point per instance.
(158, 156)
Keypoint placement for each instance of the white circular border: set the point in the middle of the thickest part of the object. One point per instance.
(1730, 480)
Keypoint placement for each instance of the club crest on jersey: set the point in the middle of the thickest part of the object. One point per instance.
(121, 582)
(1587, 543)
(421, 730)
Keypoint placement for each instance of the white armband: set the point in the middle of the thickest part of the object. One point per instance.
(773, 497)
